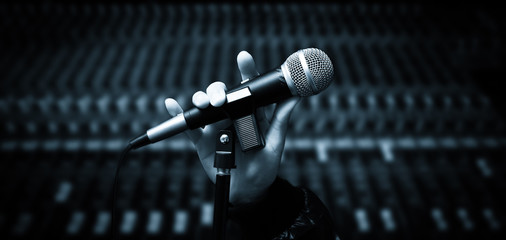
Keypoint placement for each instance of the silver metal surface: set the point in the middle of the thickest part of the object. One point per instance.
(308, 74)
(223, 171)
(311, 71)
(239, 94)
(224, 139)
(288, 79)
(168, 128)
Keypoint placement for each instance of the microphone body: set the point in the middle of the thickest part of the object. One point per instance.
(265, 89)
(304, 73)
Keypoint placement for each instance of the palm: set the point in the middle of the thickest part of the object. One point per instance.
(256, 169)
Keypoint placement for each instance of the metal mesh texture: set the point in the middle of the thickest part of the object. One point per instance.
(248, 134)
(320, 67)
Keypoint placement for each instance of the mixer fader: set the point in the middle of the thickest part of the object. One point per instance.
(405, 144)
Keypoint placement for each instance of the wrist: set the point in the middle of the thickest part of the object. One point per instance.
(272, 213)
(248, 196)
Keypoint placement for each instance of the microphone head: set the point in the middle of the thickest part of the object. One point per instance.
(308, 72)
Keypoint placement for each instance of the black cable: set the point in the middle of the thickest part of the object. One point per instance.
(115, 189)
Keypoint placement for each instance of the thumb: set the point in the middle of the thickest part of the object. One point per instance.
(279, 124)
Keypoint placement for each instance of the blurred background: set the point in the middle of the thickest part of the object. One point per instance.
(409, 142)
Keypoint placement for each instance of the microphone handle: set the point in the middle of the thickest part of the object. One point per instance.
(265, 89)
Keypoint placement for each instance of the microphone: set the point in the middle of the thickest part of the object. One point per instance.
(304, 73)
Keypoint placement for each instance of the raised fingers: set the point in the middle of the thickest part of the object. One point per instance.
(246, 65)
(217, 93)
(173, 107)
(200, 99)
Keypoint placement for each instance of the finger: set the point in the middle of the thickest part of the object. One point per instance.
(216, 92)
(200, 99)
(246, 65)
(262, 119)
(174, 109)
(279, 124)
(248, 70)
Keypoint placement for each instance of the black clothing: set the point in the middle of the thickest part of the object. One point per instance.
(285, 212)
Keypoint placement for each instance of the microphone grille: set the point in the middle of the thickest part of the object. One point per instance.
(311, 71)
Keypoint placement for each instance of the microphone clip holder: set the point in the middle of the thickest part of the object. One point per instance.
(224, 161)
(244, 119)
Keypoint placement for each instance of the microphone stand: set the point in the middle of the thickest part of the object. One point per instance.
(224, 161)
(249, 137)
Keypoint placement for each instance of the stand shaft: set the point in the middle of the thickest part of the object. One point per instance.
(224, 160)
(220, 205)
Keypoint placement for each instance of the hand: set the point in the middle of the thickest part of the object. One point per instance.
(256, 169)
